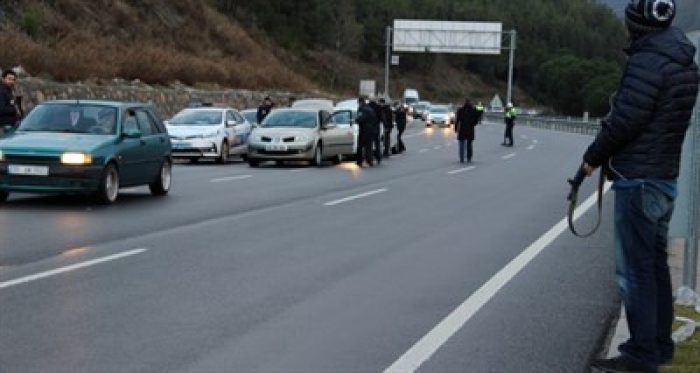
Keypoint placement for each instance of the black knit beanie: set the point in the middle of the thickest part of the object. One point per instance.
(645, 16)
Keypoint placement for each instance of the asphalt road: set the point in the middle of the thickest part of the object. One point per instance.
(421, 263)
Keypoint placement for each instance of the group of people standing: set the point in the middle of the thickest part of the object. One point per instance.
(376, 120)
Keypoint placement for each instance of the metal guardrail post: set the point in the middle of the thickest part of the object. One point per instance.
(690, 259)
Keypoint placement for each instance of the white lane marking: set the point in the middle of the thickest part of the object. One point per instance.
(413, 135)
(424, 150)
(299, 170)
(442, 332)
(461, 170)
(530, 147)
(58, 271)
(231, 178)
(511, 155)
(535, 141)
(351, 198)
(437, 147)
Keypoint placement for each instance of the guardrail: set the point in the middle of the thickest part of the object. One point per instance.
(556, 124)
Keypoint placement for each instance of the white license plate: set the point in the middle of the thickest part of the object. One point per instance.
(276, 148)
(181, 145)
(14, 169)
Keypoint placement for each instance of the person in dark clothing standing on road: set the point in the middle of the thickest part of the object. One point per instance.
(367, 122)
(509, 118)
(264, 109)
(377, 130)
(401, 116)
(10, 106)
(467, 118)
(387, 119)
(640, 143)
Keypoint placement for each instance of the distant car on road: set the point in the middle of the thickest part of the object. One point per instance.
(209, 132)
(89, 147)
(439, 115)
(419, 109)
(300, 134)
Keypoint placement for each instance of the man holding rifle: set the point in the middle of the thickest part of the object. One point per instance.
(640, 145)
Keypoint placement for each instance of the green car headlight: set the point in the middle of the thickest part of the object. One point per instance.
(76, 158)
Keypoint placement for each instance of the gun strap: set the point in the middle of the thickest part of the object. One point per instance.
(574, 201)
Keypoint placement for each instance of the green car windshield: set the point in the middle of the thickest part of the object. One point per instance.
(197, 118)
(71, 118)
(302, 119)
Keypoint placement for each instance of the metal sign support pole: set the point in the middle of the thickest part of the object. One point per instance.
(386, 64)
(511, 62)
(690, 259)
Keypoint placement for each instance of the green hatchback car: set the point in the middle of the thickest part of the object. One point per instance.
(86, 146)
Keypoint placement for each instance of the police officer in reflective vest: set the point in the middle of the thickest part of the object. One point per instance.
(509, 118)
(480, 109)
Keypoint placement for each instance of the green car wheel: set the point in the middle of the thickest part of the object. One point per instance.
(109, 186)
(161, 186)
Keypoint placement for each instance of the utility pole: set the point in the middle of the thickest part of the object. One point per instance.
(511, 62)
(386, 63)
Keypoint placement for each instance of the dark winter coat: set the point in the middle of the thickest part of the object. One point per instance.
(643, 135)
(8, 110)
(387, 117)
(401, 117)
(263, 111)
(367, 119)
(466, 118)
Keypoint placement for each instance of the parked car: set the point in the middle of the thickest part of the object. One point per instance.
(89, 147)
(300, 134)
(438, 114)
(209, 132)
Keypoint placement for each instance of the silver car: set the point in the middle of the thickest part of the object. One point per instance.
(208, 132)
(300, 134)
(439, 115)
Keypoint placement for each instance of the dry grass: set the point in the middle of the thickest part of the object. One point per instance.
(156, 41)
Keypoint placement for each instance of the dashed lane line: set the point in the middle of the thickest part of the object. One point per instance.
(508, 156)
(231, 178)
(460, 170)
(58, 271)
(352, 198)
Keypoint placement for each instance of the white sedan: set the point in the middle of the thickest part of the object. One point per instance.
(209, 132)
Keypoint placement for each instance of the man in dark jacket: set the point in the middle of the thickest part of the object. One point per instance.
(466, 119)
(641, 142)
(387, 119)
(10, 112)
(377, 130)
(401, 117)
(367, 122)
(264, 109)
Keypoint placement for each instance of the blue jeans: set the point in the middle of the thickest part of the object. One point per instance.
(642, 216)
(470, 150)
